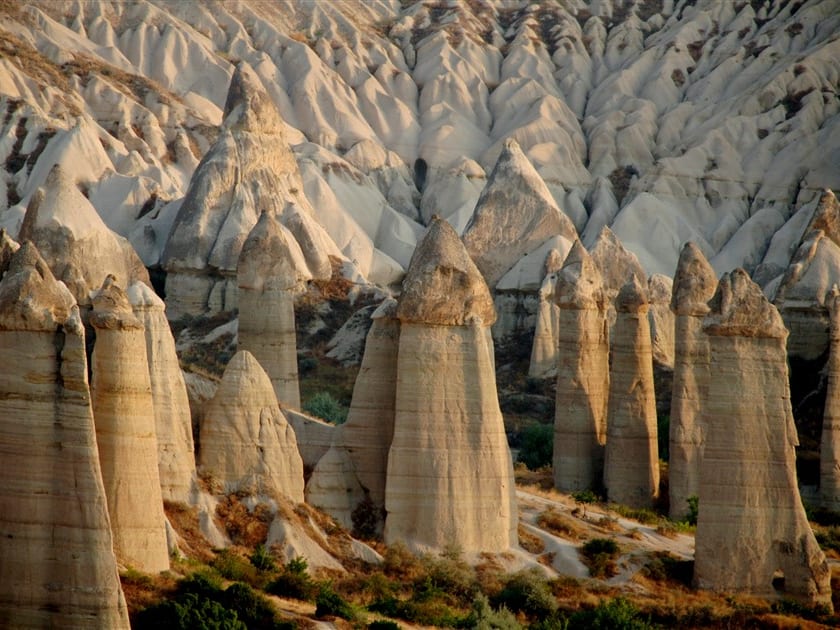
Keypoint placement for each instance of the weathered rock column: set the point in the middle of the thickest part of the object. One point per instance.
(450, 476)
(340, 481)
(269, 272)
(544, 349)
(125, 432)
(56, 550)
(751, 522)
(830, 439)
(173, 424)
(694, 284)
(246, 443)
(631, 466)
(583, 367)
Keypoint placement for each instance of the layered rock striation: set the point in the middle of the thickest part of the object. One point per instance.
(269, 273)
(246, 444)
(173, 423)
(631, 465)
(543, 362)
(694, 284)
(450, 475)
(124, 413)
(751, 523)
(830, 439)
(58, 563)
(583, 366)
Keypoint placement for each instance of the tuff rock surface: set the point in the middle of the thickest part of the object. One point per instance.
(751, 522)
(631, 464)
(59, 568)
(124, 412)
(830, 439)
(543, 362)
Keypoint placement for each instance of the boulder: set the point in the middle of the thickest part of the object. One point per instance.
(583, 360)
(752, 527)
(631, 464)
(126, 434)
(694, 284)
(450, 474)
(246, 443)
(59, 568)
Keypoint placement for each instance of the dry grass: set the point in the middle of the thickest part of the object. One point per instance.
(530, 542)
(243, 526)
(184, 519)
(142, 590)
(561, 525)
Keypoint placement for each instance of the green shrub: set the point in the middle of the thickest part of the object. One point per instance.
(294, 581)
(664, 567)
(329, 603)
(252, 608)
(323, 405)
(262, 559)
(483, 617)
(600, 554)
(585, 496)
(188, 612)
(366, 518)
(537, 446)
(234, 567)
(615, 614)
(693, 509)
(528, 592)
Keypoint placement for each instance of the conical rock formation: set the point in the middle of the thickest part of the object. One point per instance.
(124, 413)
(751, 521)
(514, 215)
(75, 242)
(631, 465)
(173, 423)
(830, 439)
(365, 438)
(616, 264)
(583, 360)
(246, 443)
(543, 362)
(450, 475)
(248, 170)
(58, 564)
(694, 284)
(269, 273)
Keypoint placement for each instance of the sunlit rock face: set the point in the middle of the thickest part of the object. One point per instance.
(694, 284)
(830, 439)
(450, 475)
(543, 362)
(583, 374)
(631, 466)
(124, 412)
(751, 521)
(59, 568)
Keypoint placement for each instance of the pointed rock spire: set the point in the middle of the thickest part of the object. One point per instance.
(695, 282)
(616, 264)
(514, 215)
(751, 521)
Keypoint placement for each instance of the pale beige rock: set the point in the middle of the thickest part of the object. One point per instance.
(583, 365)
(661, 319)
(751, 522)
(124, 413)
(694, 284)
(72, 238)
(514, 215)
(268, 277)
(450, 475)
(246, 444)
(58, 563)
(830, 439)
(8, 246)
(616, 264)
(173, 424)
(543, 362)
(358, 469)
(631, 462)
(248, 170)
(814, 269)
(314, 436)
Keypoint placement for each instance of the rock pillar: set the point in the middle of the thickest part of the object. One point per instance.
(830, 439)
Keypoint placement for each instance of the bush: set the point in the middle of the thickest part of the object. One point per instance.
(600, 554)
(262, 559)
(693, 509)
(294, 582)
(537, 446)
(252, 608)
(188, 612)
(527, 592)
(585, 496)
(366, 519)
(616, 614)
(234, 567)
(324, 406)
(330, 603)
(483, 617)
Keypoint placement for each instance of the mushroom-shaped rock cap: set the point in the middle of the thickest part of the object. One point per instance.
(827, 216)
(579, 284)
(553, 261)
(248, 107)
(30, 296)
(386, 310)
(694, 282)
(442, 285)
(739, 308)
(8, 246)
(267, 260)
(660, 289)
(616, 263)
(632, 298)
(112, 309)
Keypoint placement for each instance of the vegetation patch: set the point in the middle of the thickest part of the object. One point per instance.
(600, 555)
